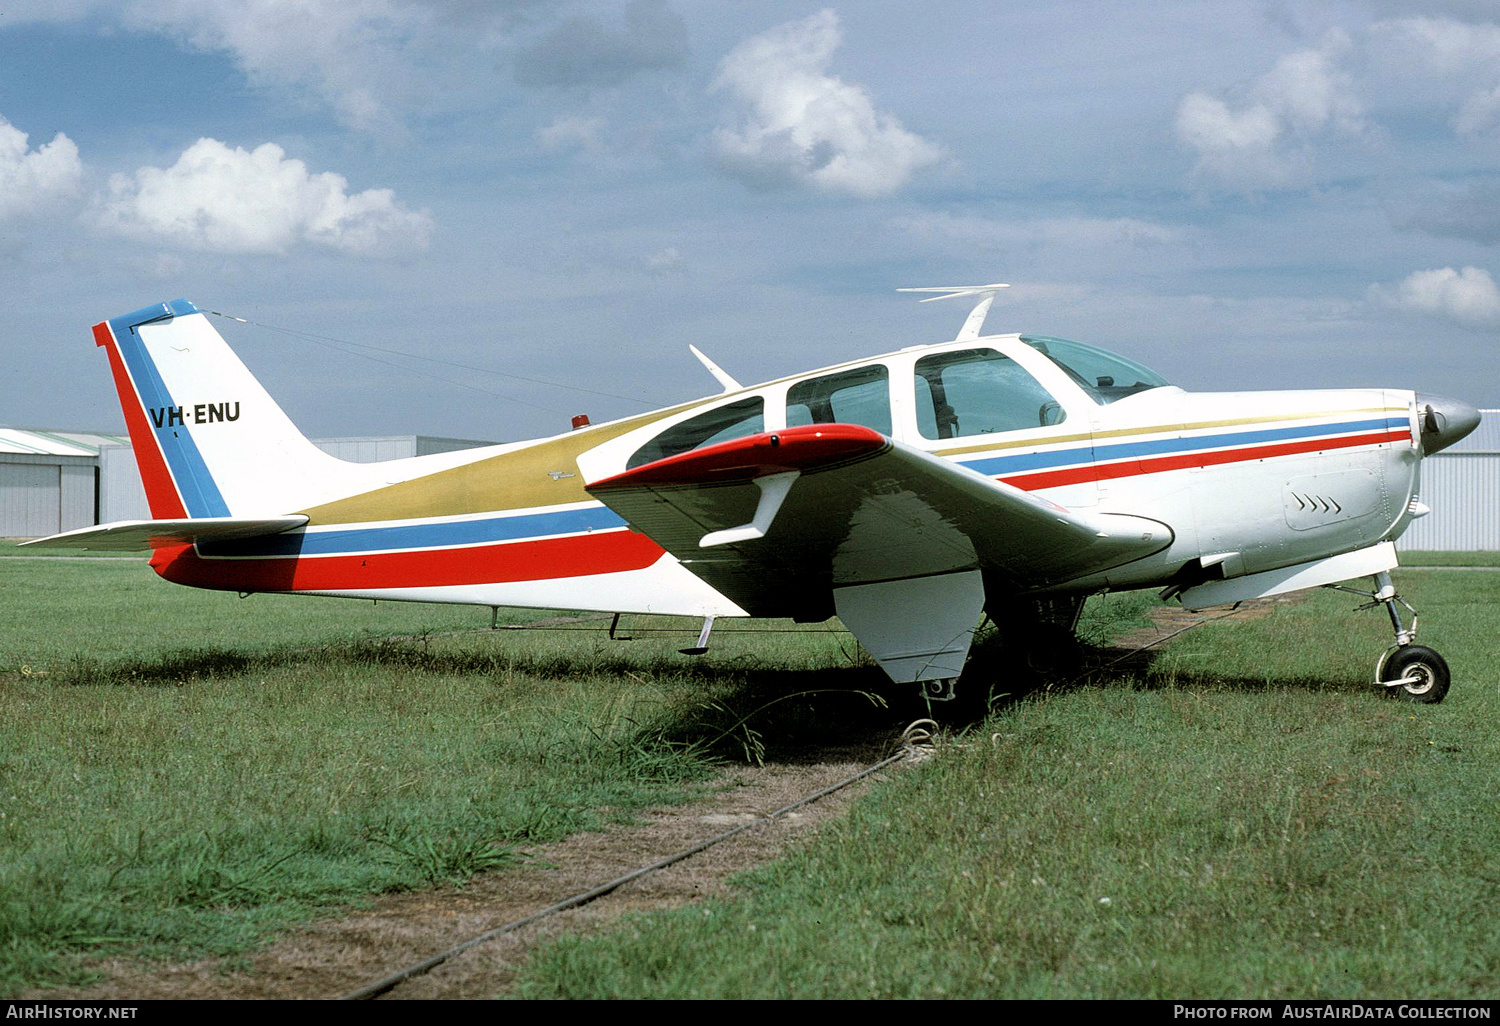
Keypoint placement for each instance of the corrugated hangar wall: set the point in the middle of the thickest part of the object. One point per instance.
(45, 494)
(1461, 485)
(48, 480)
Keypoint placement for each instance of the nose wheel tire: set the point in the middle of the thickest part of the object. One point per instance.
(1415, 673)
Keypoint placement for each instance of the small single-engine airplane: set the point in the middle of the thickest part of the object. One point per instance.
(908, 494)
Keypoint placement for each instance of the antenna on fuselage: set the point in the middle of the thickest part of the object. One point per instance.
(730, 385)
(975, 320)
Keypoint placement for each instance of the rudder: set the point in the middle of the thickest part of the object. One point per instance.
(208, 438)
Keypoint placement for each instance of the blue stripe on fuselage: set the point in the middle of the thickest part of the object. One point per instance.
(1000, 466)
(420, 535)
(551, 523)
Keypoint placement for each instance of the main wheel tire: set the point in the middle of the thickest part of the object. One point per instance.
(1422, 663)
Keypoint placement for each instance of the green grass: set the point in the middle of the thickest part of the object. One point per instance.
(183, 773)
(1247, 817)
(1433, 558)
(174, 819)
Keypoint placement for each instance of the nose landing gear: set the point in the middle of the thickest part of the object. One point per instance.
(1413, 672)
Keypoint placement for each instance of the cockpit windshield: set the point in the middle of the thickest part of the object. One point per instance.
(1100, 373)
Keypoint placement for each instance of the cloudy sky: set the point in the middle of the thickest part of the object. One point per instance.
(471, 218)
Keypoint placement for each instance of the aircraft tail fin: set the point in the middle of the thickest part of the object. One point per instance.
(208, 438)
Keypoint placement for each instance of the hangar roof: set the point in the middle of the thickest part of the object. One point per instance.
(33, 442)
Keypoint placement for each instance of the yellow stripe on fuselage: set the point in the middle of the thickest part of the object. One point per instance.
(1035, 442)
(523, 478)
(519, 479)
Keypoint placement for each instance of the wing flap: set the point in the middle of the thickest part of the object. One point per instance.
(860, 509)
(133, 535)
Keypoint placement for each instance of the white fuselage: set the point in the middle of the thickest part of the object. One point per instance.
(1244, 481)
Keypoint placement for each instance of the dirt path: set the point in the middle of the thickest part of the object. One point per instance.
(1169, 621)
(332, 958)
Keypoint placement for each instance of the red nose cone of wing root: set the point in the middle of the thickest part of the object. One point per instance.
(1444, 421)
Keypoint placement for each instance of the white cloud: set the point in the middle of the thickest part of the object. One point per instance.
(1452, 50)
(1236, 148)
(353, 53)
(1265, 143)
(1444, 46)
(1478, 112)
(800, 125)
(372, 61)
(1310, 92)
(1468, 296)
(232, 201)
(39, 178)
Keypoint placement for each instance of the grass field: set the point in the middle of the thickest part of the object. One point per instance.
(183, 773)
(1247, 818)
(1430, 558)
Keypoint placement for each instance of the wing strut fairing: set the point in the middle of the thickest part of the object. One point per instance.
(917, 629)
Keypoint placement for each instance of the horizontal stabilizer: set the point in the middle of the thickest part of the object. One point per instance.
(131, 535)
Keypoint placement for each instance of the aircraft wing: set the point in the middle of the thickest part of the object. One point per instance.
(776, 521)
(130, 535)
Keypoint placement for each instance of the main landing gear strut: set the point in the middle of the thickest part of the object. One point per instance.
(1413, 672)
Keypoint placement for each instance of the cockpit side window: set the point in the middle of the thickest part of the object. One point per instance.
(861, 396)
(734, 420)
(1103, 375)
(977, 392)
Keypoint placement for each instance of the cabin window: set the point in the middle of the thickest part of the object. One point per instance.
(721, 424)
(978, 392)
(1102, 374)
(861, 396)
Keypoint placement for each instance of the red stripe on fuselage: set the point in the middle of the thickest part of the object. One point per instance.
(161, 493)
(1188, 461)
(602, 552)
